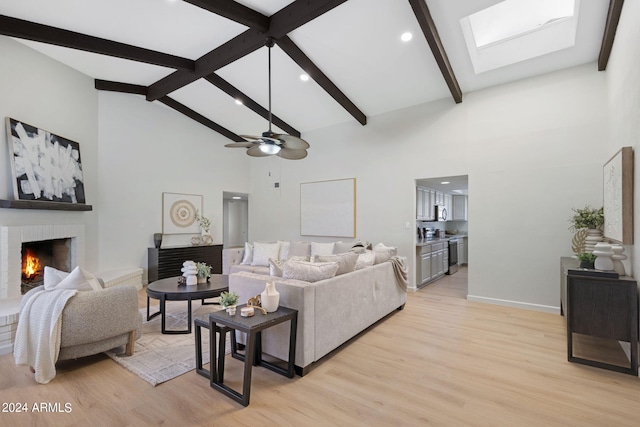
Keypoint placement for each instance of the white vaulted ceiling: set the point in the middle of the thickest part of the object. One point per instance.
(356, 44)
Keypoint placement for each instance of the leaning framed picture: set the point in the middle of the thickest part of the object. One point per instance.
(618, 197)
(328, 208)
(179, 213)
(44, 166)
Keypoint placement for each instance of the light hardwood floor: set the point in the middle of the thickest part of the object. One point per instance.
(441, 361)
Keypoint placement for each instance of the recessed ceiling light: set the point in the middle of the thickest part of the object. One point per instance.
(239, 102)
(405, 37)
(444, 182)
(237, 198)
(304, 77)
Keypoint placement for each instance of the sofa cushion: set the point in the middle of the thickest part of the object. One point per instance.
(321, 248)
(275, 267)
(383, 253)
(248, 254)
(263, 251)
(78, 279)
(346, 261)
(365, 259)
(342, 247)
(299, 249)
(309, 271)
(284, 250)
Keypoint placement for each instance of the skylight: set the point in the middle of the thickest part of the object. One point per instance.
(516, 30)
(511, 18)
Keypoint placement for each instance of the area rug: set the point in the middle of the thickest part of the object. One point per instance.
(158, 358)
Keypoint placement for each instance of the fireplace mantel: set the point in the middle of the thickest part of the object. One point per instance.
(37, 204)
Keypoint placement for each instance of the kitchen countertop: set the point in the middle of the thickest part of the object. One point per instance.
(424, 242)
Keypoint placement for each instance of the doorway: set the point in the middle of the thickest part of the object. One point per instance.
(235, 219)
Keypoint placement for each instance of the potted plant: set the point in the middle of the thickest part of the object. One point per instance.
(586, 260)
(229, 300)
(203, 272)
(588, 217)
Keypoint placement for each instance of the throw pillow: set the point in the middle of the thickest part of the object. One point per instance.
(365, 259)
(275, 267)
(78, 279)
(321, 248)
(263, 251)
(284, 250)
(299, 249)
(346, 261)
(342, 247)
(384, 253)
(248, 254)
(309, 271)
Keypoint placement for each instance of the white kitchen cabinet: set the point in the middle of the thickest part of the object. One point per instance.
(448, 203)
(425, 271)
(425, 201)
(463, 250)
(459, 208)
(420, 205)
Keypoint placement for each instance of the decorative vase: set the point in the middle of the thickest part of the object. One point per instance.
(157, 240)
(190, 273)
(231, 310)
(594, 236)
(195, 241)
(617, 258)
(202, 280)
(206, 238)
(603, 255)
(587, 264)
(270, 298)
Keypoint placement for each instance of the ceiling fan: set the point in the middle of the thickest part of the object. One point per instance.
(270, 143)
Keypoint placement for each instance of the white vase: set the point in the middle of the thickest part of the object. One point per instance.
(603, 255)
(270, 298)
(617, 258)
(192, 280)
(594, 236)
(206, 237)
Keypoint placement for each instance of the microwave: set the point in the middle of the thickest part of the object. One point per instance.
(441, 213)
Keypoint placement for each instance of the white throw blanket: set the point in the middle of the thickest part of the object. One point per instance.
(39, 330)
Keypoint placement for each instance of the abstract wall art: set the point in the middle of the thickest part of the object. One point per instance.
(179, 213)
(44, 166)
(618, 197)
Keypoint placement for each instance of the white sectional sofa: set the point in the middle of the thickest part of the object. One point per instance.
(330, 311)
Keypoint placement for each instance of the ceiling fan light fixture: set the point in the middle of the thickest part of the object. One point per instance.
(269, 148)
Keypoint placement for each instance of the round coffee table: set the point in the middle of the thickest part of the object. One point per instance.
(169, 290)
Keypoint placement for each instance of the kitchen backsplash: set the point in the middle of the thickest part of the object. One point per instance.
(461, 226)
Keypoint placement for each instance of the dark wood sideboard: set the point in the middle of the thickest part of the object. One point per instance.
(167, 262)
(604, 307)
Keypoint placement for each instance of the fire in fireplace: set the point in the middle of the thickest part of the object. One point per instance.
(36, 255)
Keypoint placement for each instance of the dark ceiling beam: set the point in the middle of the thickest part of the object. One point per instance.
(299, 57)
(613, 17)
(14, 27)
(181, 108)
(430, 31)
(282, 22)
(234, 92)
(111, 86)
(236, 12)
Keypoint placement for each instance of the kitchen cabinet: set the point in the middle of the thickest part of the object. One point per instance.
(425, 204)
(420, 205)
(432, 261)
(448, 203)
(463, 250)
(459, 208)
(425, 274)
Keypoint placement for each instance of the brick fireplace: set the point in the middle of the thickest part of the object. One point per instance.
(12, 239)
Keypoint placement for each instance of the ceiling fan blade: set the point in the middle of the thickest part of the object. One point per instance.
(255, 151)
(247, 144)
(251, 137)
(293, 142)
(292, 154)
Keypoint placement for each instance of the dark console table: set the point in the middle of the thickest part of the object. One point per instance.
(604, 307)
(167, 262)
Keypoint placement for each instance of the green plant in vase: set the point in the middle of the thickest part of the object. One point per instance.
(586, 259)
(587, 217)
(203, 271)
(229, 299)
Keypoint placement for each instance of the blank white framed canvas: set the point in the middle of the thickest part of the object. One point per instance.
(328, 208)
(617, 176)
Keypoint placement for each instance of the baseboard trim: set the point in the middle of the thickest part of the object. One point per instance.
(515, 304)
(6, 349)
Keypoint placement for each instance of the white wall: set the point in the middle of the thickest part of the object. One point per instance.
(532, 149)
(44, 93)
(147, 149)
(624, 101)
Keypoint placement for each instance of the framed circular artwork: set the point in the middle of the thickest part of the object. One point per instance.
(179, 213)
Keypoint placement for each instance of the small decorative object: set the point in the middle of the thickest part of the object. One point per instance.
(270, 298)
(205, 226)
(195, 240)
(603, 253)
(590, 219)
(182, 281)
(247, 311)
(190, 271)
(157, 240)
(204, 272)
(586, 260)
(617, 258)
(229, 300)
(578, 241)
